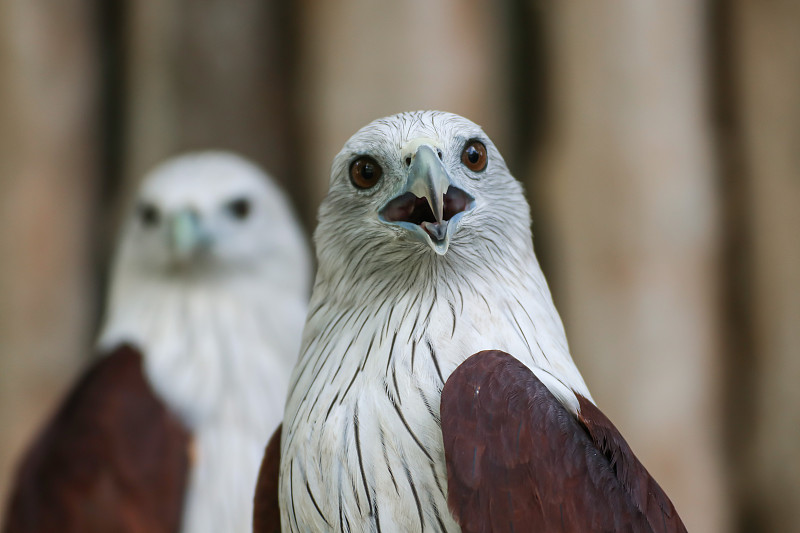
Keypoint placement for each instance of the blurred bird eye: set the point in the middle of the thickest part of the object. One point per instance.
(365, 172)
(149, 215)
(474, 156)
(239, 208)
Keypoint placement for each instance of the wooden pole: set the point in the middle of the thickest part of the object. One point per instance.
(764, 48)
(48, 169)
(209, 75)
(630, 218)
(363, 60)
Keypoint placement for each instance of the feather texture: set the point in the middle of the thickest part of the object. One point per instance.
(393, 315)
(389, 320)
(266, 511)
(517, 460)
(113, 458)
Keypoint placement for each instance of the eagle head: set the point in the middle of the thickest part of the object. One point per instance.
(423, 184)
(211, 215)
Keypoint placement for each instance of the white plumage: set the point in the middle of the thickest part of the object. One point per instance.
(210, 281)
(392, 314)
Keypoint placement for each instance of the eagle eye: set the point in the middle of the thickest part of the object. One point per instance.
(365, 172)
(149, 215)
(239, 208)
(474, 156)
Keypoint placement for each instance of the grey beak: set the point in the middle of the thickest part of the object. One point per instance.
(186, 234)
(427, 178)
(427, 182)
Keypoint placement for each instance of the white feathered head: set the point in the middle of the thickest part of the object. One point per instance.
(423, 188)
(212, 215)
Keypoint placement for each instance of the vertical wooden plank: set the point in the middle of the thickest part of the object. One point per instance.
(48, 82)
(740, 356)
(361, 60)
(213, 74)
(631, 220)
(765, 43)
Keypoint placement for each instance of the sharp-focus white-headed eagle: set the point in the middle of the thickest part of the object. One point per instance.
(434, 389)
(166, 430)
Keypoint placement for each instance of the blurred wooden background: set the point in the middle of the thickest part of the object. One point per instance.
(658, 142)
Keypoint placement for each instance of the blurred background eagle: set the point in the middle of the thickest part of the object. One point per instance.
(165, 430)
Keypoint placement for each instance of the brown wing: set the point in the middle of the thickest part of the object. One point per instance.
(112, 459)
(517, 460)
(266, 511)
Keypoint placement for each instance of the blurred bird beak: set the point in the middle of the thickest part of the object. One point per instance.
(186, 235)
(430, 206)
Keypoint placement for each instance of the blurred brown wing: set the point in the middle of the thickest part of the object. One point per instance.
(266, 510)
(112, 459)
(517, 460)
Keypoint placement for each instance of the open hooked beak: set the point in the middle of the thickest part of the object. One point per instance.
(430, 206)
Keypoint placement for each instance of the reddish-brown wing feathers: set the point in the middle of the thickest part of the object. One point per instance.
(112, 459)
(266, 511)
(517, 460)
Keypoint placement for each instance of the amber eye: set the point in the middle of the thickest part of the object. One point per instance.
(474, 156)
(149, 215)
(365, 172)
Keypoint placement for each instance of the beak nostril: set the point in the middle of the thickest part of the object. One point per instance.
(439, 153)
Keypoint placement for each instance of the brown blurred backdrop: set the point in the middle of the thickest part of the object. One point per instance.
(659, 143)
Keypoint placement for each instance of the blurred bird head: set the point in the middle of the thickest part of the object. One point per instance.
(211, 214)
(420, 186)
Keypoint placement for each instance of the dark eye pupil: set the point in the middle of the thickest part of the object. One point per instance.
(365, 173)
(240, 208)
(473, 155)
(368, 171)
(149, 215)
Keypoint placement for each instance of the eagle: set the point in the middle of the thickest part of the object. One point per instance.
(435, 390)
(166, 429)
